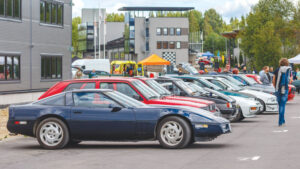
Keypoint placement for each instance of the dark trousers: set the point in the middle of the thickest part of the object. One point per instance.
(281, 99)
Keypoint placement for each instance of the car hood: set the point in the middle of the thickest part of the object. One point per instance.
(261, 95)
(237, 94)
(191, 111)
(245, 101)
(176, 103)
(263, 88)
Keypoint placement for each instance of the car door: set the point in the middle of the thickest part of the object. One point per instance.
(93, 117)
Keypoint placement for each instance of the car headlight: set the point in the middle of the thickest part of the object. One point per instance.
(272, 100)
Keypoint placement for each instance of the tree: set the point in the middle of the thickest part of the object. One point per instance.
(75, 36)
(267, 46)
(115, 17)
(269, 32)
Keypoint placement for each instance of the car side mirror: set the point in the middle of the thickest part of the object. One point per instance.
(137, 97)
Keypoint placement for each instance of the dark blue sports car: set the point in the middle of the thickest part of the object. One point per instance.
(75, 116)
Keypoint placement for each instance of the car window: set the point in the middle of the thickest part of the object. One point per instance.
(56, 100)
(73, 86)
(127, 90)
(93, 99)
(106, 86)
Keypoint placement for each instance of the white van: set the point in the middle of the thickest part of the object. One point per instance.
(91, 64)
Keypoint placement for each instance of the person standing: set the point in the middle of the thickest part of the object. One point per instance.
(78, 74)
(281, 80)
(298, 74)
(265, 77)
(92, 74)
(245, 70)
(201, 64)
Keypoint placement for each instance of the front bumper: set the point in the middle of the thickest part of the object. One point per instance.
(207, 132)
(272, 108)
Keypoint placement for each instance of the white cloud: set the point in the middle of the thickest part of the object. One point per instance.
(235, 8)
(115, 7)
(78, 5)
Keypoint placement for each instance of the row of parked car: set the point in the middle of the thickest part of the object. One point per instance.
(176, 110)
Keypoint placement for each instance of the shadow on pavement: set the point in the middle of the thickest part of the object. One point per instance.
(124, 146)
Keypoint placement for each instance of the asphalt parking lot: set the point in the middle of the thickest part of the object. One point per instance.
(256, 143)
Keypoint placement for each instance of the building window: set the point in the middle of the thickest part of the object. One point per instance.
(165, 45)
(10, 9)
(165, 31)
(178, 31)
(147, 32)
(51, 12)
(172, 31)
(159, 45)
(9, 68)
(158, 31)
(147, 45)
(51, 67)
(178, 45)
(172, 45)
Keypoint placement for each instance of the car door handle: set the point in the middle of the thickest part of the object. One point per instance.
(77, 112)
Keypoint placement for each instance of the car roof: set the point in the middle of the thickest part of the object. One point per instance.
(128, 79)
(91, 90)
(166, 78)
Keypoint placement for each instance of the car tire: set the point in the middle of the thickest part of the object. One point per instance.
(264, 106)
(52, 133)
(238, 116)
(174, 133)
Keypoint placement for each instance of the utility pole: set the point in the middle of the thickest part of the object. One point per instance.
(99, 25)
(95, 37)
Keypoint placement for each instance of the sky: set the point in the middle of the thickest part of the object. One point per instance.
(227, 8)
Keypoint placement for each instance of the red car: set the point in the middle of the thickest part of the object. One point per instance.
(292, 88)
(128, 86)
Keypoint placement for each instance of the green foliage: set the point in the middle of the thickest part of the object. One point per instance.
(271, 32)
(115, 17)
(75, 36)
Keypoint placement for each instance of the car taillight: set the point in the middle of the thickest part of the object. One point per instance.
(229, 105)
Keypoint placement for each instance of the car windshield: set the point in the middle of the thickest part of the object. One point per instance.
(234, 81)
(158, 88)
(229, 84)
(125, 100)
(145, 90)
(186, 88)
(249, 80)
(209, 84)
(198, 88)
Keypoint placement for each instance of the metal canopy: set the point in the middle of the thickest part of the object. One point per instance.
(156, 8)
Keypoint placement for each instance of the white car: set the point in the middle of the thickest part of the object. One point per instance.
(248, 107)
(269, 101)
